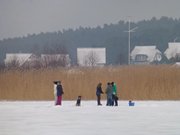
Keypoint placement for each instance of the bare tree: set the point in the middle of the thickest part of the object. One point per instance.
(91, 59)
(177, 57)
(55, 56)
(14, 63)
(55, 60)
(2, 66)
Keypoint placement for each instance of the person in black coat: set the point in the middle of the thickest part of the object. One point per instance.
(59, 93)
(78, 102)
(98, 93)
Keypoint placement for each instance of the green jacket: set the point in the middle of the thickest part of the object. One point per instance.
(114, 89)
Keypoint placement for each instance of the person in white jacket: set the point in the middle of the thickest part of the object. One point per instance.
(55, 92)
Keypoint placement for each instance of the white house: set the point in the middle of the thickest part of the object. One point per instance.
(60, 59)
(145, 55)
(173, 50)
(20, 59)
(31, 60)
(91, 56)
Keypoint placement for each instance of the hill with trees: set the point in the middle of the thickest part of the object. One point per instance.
(111, 36)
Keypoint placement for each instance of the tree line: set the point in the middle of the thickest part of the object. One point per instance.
(111, 36)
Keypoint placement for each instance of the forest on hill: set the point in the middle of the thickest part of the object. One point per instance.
(111, 36)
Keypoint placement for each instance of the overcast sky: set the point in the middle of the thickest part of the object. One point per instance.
(22, 17)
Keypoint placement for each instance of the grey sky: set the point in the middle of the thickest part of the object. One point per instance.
(22, 17)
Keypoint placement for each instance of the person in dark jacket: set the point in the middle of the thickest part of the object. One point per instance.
(78, 102)
(59, 93)
(98, 93)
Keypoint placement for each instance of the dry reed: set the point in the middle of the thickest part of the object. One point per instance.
(133, 82)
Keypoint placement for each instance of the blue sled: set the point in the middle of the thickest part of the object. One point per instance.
(131, 103)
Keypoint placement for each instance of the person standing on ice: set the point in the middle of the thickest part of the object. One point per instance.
(55, 92)
(114, 94)
(109, 92)
(98, 93)
(59, 93)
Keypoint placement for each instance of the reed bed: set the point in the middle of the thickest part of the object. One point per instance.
(133, 82)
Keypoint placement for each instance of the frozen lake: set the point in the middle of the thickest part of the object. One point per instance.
(43, 118)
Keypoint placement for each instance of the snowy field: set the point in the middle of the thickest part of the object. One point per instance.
(43, 118)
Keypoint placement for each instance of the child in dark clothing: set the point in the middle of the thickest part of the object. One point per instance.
(78, 102)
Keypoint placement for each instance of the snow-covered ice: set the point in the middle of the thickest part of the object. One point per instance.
(43, 118)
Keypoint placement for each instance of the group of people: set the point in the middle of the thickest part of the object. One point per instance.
(111, 92)
(58, 92)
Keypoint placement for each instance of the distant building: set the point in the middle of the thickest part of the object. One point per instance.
(55, 60)
(145, 55)
(20, 59)
(173, 51)
(91, 56)
(31, 60)
(177, 64)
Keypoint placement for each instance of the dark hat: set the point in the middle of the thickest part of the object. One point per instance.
(55, 82)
